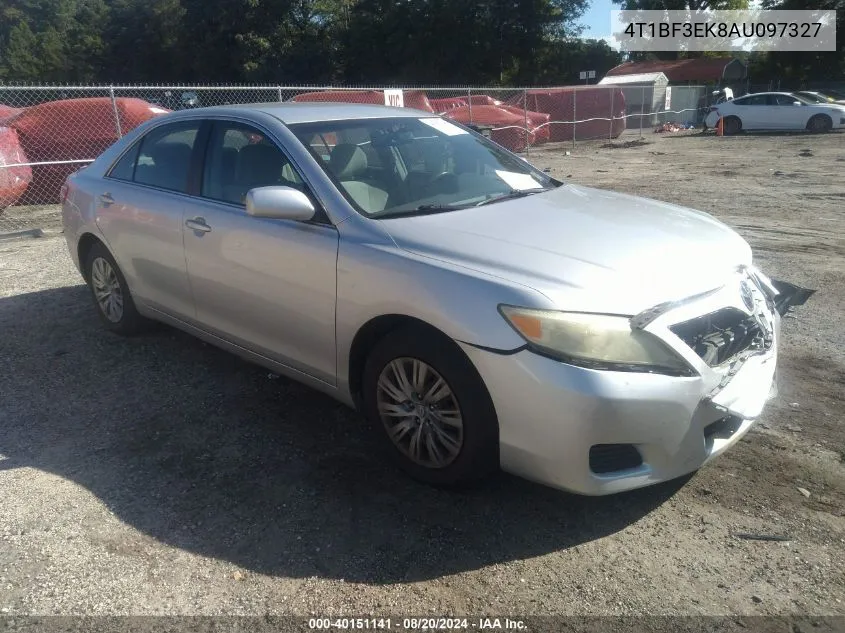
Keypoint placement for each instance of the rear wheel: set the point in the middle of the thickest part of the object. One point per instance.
(111, 293)
(430, 408)
(820, 123)
(732, 125)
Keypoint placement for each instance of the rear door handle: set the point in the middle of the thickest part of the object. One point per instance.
(106, 199)
(198, 224)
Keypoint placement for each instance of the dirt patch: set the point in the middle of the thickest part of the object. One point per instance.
(626, 144)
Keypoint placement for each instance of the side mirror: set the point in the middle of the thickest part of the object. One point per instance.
(797, 103)
(279, 203)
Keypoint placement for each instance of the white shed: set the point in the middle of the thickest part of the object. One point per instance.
(645, 96)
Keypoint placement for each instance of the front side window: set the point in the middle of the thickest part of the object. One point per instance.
(240, 158)
(164, 158)
(401, 166)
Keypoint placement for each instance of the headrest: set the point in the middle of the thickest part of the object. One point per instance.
(259, 164)
(347, 161)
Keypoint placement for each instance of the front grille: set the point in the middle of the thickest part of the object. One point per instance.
(608, 458)
(719, 336)
(723, 428)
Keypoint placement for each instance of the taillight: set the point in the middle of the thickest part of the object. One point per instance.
(63, 192)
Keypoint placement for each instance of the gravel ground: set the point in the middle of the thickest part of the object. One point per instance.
(158, 475)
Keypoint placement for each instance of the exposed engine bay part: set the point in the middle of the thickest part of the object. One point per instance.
(720, 336)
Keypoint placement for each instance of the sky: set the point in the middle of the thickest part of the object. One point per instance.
(597, 21)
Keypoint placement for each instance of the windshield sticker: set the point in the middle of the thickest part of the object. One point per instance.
(518, 182)
(441, 125)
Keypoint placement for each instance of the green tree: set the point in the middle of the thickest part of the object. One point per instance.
(19, 54)
(795, 68)
(295, 41)
(143, 42)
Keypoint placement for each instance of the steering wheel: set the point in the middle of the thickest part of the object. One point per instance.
(444, 182)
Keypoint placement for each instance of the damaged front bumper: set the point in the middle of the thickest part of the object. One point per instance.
(598, 432)
(730, 337)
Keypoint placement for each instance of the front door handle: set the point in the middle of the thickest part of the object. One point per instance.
(106, 199)
(198, 224)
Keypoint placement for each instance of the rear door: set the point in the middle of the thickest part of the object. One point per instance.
(139, 212)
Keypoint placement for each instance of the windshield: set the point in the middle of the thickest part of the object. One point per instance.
(406, 166)
(809, 97)
(832, 94)
(803, 99)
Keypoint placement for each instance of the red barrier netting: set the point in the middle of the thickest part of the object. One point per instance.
(534, 121)
(412, 98)
(13, 180)
(600, 104)
(7, 112)
(482, 100)
(508, 128)
(448, 103)
(69, 130)
(537, 122)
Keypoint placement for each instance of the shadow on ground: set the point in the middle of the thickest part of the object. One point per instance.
(204, 452)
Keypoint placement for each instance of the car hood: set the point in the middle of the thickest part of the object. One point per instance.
(585, 249)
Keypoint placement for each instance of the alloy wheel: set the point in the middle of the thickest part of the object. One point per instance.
(420, 412)
(107, 290)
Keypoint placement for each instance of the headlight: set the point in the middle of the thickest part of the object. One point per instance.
(597, 341)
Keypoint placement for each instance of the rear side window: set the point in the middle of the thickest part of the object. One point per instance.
(164, 156)
(124, 169)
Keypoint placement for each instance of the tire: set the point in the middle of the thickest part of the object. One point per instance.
(110, 293)
(820, 123)
(731, 126)
(472, 450)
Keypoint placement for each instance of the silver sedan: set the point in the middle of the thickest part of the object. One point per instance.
(478, 312)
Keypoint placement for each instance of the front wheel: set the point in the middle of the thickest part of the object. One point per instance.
(430, 408)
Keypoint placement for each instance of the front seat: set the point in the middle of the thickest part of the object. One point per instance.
(256, 166)
(348, 164)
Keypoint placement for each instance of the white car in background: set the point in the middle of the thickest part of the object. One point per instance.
(775, 111)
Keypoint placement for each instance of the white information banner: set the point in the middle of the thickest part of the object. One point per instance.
(752, 29)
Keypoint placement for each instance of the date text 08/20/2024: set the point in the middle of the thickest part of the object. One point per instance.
(416, 624)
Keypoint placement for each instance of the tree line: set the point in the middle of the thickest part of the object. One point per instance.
(297, 41)
(505, 42)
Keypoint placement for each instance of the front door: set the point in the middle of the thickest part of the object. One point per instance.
(267, 285)
(789, 116)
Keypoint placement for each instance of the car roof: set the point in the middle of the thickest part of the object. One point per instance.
(309, 112)
(757, 94)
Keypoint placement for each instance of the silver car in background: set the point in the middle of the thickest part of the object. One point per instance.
(477, 311)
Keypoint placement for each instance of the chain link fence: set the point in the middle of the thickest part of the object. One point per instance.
(48, 132)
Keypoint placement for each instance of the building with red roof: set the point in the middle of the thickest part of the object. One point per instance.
(701, 70)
